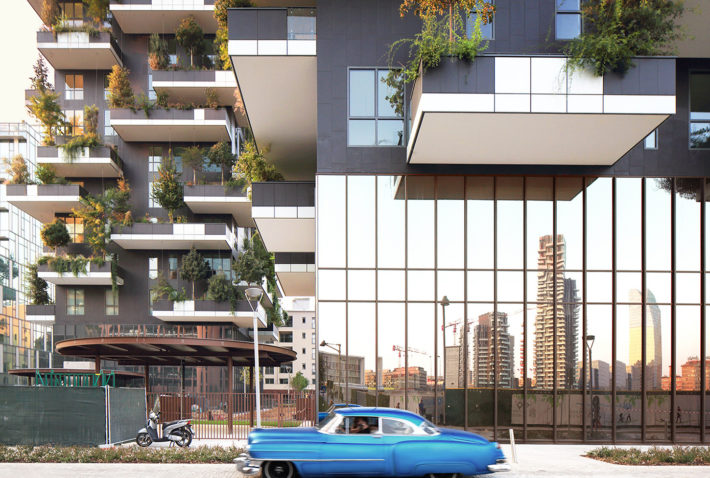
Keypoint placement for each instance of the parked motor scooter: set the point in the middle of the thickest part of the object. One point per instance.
(178, 431)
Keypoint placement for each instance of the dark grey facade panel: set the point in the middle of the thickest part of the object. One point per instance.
(284, 194)
(648, 76)
(454, 76)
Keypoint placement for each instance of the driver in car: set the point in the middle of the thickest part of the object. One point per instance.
(360, 425)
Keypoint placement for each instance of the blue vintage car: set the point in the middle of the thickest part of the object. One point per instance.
(322, 415)
(369, 441)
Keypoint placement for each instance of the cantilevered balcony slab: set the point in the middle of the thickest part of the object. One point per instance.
(93, 274)
(284, 213)
(79, 50)
(98, 162)
(266, 335)
(296, 272)
(40, 313)
(217, 199)
(44, 201)
(198, 125)
(190, 86)
(139, 236)
(535, 110)
(273, 53)
(162, 16)
(208, 312)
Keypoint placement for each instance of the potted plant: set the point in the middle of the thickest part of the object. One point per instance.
(167, 189)
(55, 234)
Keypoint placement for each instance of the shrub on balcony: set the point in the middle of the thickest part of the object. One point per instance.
(157, 52)
(55, 234)
(193, 157)
(79, 264)
(97, 9)
(163, 290)
(37, 288)
(49, 12)
(167, 189)
(17, 169)
(120, 90)
(615, 31)
(190, 36)
(46, 175)
(220, 289)
(76, 144)
(40, 78)
(220, 155)
(45, 108)
(194, 267)
(211, 98)
(222, 37)
(252, 166)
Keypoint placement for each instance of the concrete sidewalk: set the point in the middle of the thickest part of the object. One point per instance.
(533, 461)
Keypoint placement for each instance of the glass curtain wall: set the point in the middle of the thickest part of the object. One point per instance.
(575, 306)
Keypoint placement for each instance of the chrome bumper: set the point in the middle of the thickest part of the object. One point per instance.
(246, 465)
(500, 465)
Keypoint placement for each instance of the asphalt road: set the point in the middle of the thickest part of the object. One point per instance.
(533, 461)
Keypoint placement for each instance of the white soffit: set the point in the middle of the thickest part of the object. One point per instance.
(298, 283)
(288, 235)
(162, 18)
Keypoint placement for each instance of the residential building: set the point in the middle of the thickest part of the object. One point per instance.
(493, 351)
(341, 370)
(395, 379)
(451, 379)
(601, 375)
(689, 378)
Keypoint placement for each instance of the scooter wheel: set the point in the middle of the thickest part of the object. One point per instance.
(143, 439)
(186, 439)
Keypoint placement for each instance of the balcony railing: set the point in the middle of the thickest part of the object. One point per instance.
(79, 50)
(93, 274)
(210, 236)
(200, 124)
(101, 162)
(40, 313)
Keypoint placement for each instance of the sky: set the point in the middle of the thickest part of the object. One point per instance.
(18, 36)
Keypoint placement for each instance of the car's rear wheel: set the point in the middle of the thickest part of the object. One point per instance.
(443, 475)
(279, 469)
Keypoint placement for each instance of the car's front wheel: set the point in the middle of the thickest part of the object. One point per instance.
(443, 475)
(279, 469)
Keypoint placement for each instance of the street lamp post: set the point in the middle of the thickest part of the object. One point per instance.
(590, 343)
(333, 346)
(254, 293)
(444, 303)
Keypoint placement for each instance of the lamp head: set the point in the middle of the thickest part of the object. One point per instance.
(253, 292)
(445, 301)
(323, 344)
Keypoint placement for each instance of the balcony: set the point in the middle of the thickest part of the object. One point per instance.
(523, 110)
(98, 162)
(266, 335)
(93, 274)
(79, 50)
(217, 199)
(284, 213)
(296, 272)
(40, 313)
(44, 201)
(208, 311)
(149, 236)
(162, 16)
(189, 86)
(273, 53)
(198, 125)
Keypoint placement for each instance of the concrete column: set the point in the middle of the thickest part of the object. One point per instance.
(97, 364)
(230, 395)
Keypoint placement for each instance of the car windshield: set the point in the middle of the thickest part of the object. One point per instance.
(428, 427)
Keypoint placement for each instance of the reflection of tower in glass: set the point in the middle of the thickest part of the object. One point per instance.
(483, 351)
(553, 288)
(654, 353)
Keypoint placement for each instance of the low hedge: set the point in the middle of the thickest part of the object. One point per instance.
(127, 454)
(677, 455)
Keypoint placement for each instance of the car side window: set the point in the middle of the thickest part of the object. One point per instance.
(391, 426)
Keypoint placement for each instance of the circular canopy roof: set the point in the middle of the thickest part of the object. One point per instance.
(174, 351)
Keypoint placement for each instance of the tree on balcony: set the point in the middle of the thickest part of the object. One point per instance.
(97, 9)
(120, 92)
(55, 234)
(194, 267)
(157, 52)
(45, 108)
(220, 155)
(50, 12)
(40, 79)
(167, 189)
(220, 289)
(190, 36)
(193, 157)
(36, 287)
(17, 168)
(252, 166)
(222, 37)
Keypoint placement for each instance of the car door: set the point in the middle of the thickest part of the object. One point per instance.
(347, 453)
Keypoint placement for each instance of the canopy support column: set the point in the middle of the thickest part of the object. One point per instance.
(230, 395)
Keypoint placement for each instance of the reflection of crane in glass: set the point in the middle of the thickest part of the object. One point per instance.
(399, 350)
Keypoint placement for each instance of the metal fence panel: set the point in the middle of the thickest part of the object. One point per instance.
(127, 412)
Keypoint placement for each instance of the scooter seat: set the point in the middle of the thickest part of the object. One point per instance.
(167, 424)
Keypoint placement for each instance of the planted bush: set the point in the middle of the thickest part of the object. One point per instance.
(133, 454)
(55, 234)
(157, 52)
(17, 167)
(37, 288)
(120, 91)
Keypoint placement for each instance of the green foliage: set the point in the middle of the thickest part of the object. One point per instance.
(193, 157)
(220, 154)
(46, 175)
(157, 52)
(220, 289)
(190, 36)
(36, 287)
(97, 9)
(91, 121)
(40, 79)
(144, 103)
(211, 98)
(99, 213)
(50, 12)
(5, 267)
(120, 90)
(615, 31)
(55, 234)
(132, 454)
(678, 455)
(45, 108)
(167, 189)
(163, 290)
(17, 169)
(76, 144)
(252, 166)
(194, 267)
(299, 382)
(222, 36)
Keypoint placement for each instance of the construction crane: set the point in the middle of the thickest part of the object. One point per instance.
(399, 350)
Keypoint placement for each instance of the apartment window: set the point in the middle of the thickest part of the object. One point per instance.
(285, 337)
(155, 157)
(313, 323)
(221, 264)
(699, 110)
(303, 366)
(106, 90)
(487, 27)
(173, 267)
(151, 200)
(372, 121)
(303, 351)
(313, 382)
(152, 268)
(75, 122)
(74, 87)
(172, 52)
(313, 369)
(269, 370)
(111, 302)
(289, 321)
(313, 338)
(75, 301)
(75, 226)
(286, 368)
(568, 19)
(651, 141)
(108, 129)
(313, 353)
(269, 381)
(283, 381)
(303, 335)
(72, 13)
(303, 320)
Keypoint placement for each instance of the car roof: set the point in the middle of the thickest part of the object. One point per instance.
(381, 412)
